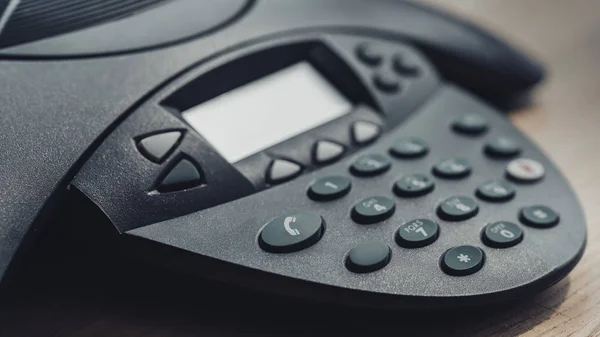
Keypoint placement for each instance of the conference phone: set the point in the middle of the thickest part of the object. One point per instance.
(346, 151)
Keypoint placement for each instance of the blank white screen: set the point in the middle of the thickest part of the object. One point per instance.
(267, 111)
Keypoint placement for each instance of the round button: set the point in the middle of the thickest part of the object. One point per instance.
(368, 257)
(403, 67)
(470, 124)
(457, 208)
(452, 168)
(414, 185)
(409, 148)
(502, 147)
(417, 233)
(502, 234)
(329, 188)
(386, 82)
(373, 209)
(291, 232)
(368, 55)
(462, 260)
(370, 165)
(539, 216)
(495, 191)
(525, 170)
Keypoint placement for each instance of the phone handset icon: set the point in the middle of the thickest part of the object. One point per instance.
(286, 225)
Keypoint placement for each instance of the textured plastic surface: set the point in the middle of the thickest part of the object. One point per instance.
(56, 113)
(413, 277)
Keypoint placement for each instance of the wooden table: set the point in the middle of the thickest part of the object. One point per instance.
(88, 297)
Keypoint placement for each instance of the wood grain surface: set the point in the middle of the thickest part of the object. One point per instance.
(85, 296)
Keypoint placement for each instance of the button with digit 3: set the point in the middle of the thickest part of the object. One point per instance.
(373, 209)
(452, 168)
(329, 188)
(457, 208)
(291, 232)
(370, 165)
(414, 185)
(417, 233)
(502, 234)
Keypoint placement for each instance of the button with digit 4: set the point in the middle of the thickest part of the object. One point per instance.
(502, 234)
(417, 233)
(457, 208)
(370, 165)
(329, 188)
(409, 148)
(462, 260)
(373, 209)
(452, 168)
(539, 216)
(291, 232)
(495, 191)
(414, 185)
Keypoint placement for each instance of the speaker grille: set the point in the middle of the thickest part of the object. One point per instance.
(38, 19)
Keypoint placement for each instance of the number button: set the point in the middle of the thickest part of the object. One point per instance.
(452, 168)
(414, 185)
(502, 234)
(373, 209)
(370, 165)
(495, 191)
(458, 208)
(417, 233)
(329, 188)
(409, 148)
(470, 124)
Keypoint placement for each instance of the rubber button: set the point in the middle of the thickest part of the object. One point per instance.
(368, 257)
(414, 185)
(502, 147)
(404, 68)
(386, 82)
(282, 170)
(539, 216)
(329, 188)
(368, 55)
(157, 147)
(409, 148)
(502, 234)
(452, 168)
(373, 209)
(364, 133)
(470, 124)
(326, 152)
(182, 176)
(370, 165)
(417, 233)
(495, 191)
(291, 232)
(457, 208)
(462, 260)
(525, 170)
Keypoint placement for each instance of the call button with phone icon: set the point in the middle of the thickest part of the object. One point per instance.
(291, 232)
